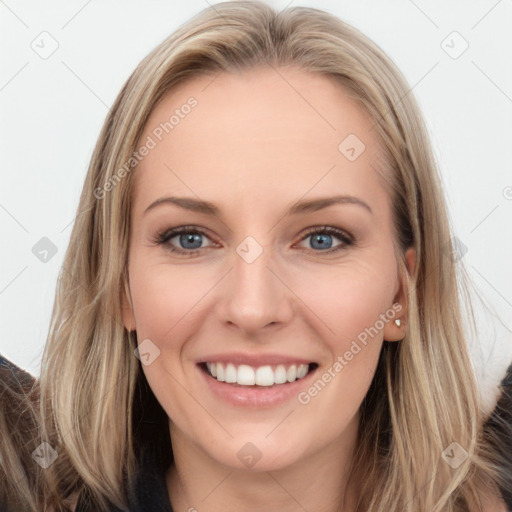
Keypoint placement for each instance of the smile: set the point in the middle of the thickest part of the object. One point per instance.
(245, 375)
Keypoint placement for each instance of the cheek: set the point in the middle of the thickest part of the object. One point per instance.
(349, 298)
(164, 299)
(163, 295)
(350, 303)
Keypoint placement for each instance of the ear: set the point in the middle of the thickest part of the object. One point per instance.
(393, 332)
(126, 305)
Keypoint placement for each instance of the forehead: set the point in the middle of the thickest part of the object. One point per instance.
(265, 133)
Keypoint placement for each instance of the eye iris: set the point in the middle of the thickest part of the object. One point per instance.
(323, 244)
(189, 237)
(319, 240)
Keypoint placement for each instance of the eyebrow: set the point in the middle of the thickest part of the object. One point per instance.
(300, 207)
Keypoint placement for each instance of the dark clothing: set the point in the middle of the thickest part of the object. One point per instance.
(498, 428)
(154, 451)
(14, 376)
(150, 492)
(18, 436)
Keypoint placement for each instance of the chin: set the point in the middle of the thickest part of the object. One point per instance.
(257, 453)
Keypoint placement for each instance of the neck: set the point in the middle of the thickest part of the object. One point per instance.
(316, 482)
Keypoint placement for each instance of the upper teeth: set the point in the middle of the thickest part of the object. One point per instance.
(262, 376)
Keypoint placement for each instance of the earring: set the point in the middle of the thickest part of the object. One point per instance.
(398, 322)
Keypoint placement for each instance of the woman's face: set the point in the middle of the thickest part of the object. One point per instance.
(271, 275)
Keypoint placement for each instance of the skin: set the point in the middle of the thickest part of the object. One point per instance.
(254, 146)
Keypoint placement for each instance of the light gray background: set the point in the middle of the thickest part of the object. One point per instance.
(52, 109)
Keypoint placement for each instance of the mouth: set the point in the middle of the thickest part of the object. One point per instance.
(267, 376)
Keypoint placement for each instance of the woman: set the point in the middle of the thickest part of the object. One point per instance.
(311, 353)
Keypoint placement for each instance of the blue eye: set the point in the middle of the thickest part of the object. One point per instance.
(321, 238)
(189, 239)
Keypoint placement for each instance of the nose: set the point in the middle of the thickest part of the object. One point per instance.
(255, 296)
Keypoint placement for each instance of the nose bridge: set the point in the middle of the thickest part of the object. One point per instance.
(255, 297)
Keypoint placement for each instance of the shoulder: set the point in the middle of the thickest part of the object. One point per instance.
(18, 389)
(498, 430)
(13, 376)
(18, 429)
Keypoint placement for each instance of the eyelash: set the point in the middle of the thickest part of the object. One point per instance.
(164, 237)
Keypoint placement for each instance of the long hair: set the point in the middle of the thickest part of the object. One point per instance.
(19, 473)
(423, 397)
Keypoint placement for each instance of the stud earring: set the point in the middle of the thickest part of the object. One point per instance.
(398, 322)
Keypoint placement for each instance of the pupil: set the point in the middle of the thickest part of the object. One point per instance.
(190, 238)
(321, 240)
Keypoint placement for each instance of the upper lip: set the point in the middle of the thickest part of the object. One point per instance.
(254, 360)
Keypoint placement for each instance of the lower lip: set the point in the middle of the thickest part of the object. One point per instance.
(255, 396)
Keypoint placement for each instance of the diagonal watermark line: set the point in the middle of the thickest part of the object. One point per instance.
(13, 279)
(212, 6)
(424, 14)
(14, 76)
(414, 413)
(13, 13)
(112, 388)
(286, 491)
(304, 195)
(76, 14)
(269, 64)
(498, 292)
(407, 92)
(332, 332)
(85, 84)
(220, 220)
(301, 96)
(75, 217)
(218, 485)
(492, 81)
(212, 80)
(13, 217)
(492, 211)
(76, 423)
(87, 290)
(281, 422)
(485, 15)
(198, 301)
(198, 402)
(406, 505)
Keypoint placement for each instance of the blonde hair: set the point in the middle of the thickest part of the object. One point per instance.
(423, 397)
